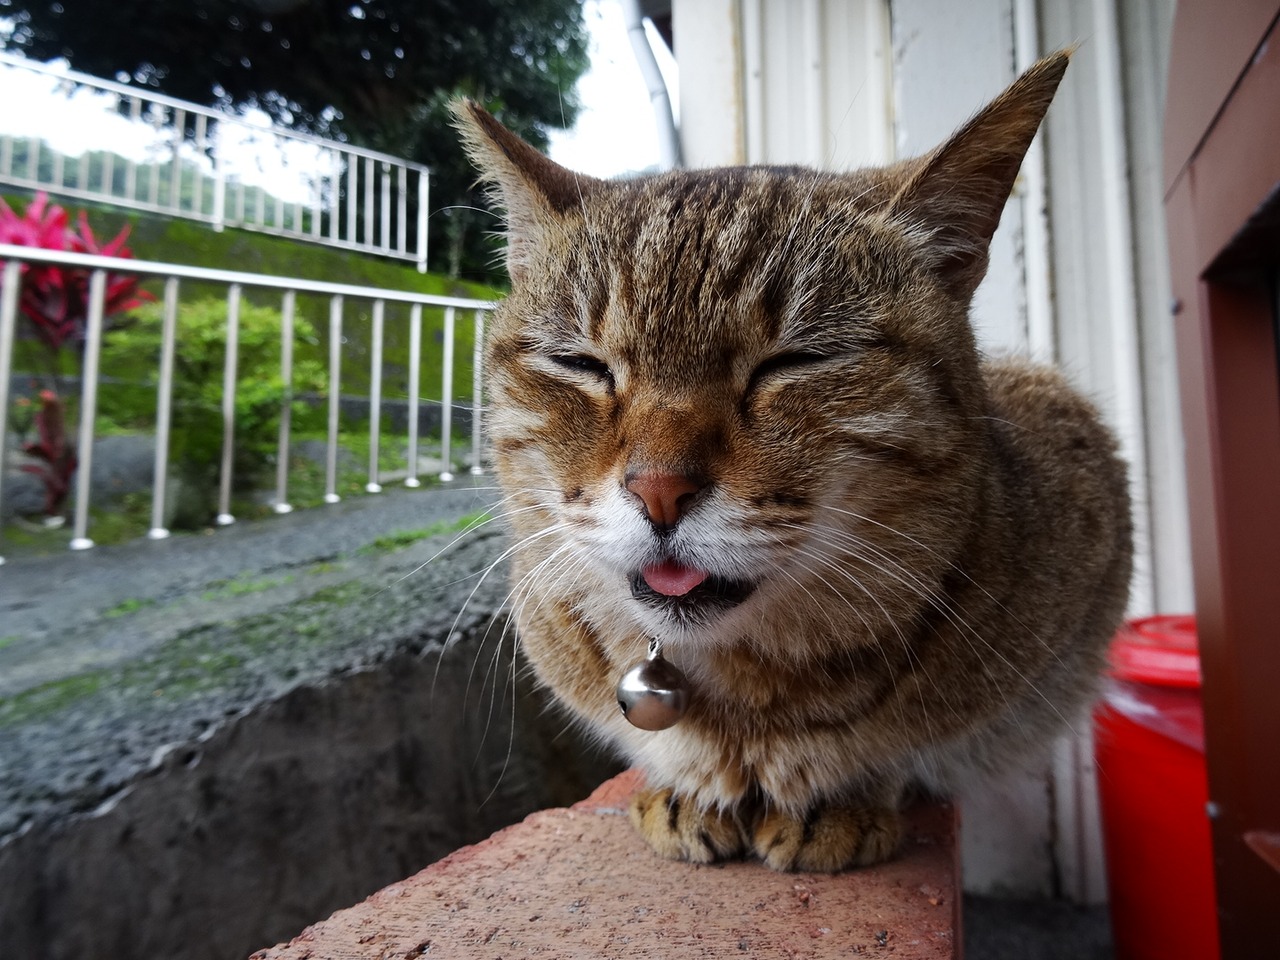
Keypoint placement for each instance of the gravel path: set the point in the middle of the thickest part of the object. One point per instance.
(110, 657)
(62, 613)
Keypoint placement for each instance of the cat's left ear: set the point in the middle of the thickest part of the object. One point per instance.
(534, 190)
(957, 192)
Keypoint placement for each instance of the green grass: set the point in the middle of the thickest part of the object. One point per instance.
(172, 674)
(126, 607)
(340, 594)
(242, 585)
(129, 517)
(50, 697)
(307, 477)
(400, 539)
(238, 586)
(190, 664)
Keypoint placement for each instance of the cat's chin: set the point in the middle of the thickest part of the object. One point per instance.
(707, 602)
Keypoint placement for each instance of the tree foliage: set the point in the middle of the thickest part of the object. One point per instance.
(377, 73)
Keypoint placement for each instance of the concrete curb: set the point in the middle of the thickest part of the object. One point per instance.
(579, 882)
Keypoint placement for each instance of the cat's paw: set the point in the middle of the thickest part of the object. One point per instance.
(679, 829)
(830, 838)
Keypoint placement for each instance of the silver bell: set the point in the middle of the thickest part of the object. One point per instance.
(653, 694)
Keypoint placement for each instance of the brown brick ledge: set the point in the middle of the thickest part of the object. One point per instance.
(579, 882)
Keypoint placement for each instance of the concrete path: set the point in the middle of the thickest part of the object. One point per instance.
(69, 612)
(109, 656)
(115, 622)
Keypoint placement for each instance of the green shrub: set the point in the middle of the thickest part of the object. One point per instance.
(131, 358)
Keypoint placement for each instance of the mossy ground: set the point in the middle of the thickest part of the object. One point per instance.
(201, 658)
(128, 517)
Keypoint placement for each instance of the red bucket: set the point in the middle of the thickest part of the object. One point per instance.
(1149, 750)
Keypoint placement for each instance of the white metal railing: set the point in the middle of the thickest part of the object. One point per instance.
(340, 296)
(220, 168)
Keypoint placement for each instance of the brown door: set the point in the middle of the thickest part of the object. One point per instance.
(1222, 200)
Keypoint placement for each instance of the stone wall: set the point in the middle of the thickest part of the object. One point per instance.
(297, 808)
(208, 742)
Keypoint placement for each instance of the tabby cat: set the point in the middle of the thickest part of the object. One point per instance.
(741, 411)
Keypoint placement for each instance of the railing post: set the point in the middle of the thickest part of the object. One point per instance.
(415, 371)
(164, 409)
(33, 159)
(156, 119)
(287, 308)
(59, 170)
(384, 171)
(370, 238)
(422, 221)
(8, 324)
(477, 359)
(446, 399)
(219, 179)
(335, 195)
(335, 363)
(316, 208)
(375, 396)
(197, 186)
(353, 182)
(402, 209)
(175, 171)
(108, 174)
(88, 408)
(225, 517)
(131, 170)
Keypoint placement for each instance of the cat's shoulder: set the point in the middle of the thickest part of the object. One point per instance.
(1054, 433)
(1030, 393)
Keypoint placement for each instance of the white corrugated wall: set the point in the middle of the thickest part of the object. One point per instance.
(1078, 269)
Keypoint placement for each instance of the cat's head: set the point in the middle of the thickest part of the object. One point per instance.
(706, 384)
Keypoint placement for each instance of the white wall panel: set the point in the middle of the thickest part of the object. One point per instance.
(1078, 266)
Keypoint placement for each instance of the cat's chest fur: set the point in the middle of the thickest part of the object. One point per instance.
(920, 631)
(742, 411)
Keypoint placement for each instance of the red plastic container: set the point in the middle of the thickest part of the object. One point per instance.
(1149, 750)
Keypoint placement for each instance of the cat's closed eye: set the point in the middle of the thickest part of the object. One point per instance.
(792, 361)
(583, 363)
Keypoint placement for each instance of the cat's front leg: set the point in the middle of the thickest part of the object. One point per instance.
(679, 829)
(831, 837)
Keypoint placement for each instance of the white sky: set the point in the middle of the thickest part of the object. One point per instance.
(73, 120)
(615, 133)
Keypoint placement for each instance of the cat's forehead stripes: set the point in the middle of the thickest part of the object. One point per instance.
(688, 242)
(732, 259)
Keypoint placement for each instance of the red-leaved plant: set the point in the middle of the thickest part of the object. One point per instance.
(55, 301)
(55, 454)
(55, 298)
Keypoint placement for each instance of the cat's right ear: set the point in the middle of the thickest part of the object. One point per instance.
(957, 193)
(535, 191)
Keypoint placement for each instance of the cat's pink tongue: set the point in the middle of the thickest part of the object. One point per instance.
(673, 579)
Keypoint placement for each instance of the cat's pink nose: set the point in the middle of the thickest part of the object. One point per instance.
(665, 496)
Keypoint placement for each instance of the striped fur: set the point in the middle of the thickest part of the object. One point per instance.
(937, 546)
